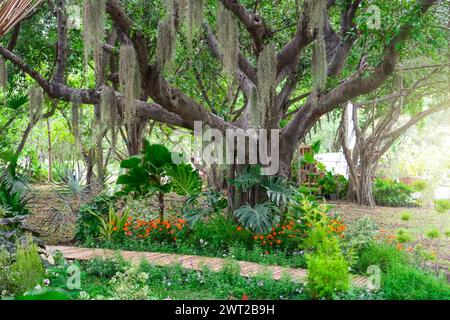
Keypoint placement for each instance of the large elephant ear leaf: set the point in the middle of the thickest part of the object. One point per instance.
(259, 219)
(131, 163)
(184, 179)
(157, 156)
(134, 177)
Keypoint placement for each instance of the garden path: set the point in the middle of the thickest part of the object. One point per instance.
(248, 269)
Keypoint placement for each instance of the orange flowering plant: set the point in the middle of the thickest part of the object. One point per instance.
(169, 230)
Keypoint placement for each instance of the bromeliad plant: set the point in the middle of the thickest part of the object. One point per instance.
(154, 172)
(114, 222)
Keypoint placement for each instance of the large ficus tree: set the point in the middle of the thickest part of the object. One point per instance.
(230, 63)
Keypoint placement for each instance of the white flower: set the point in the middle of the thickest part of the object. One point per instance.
(46, 282)
(84, 295)
(38, 287)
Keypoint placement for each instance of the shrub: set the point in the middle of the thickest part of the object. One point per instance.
(168, 231)
(442, 205)
(105, 268)
(433, 234)
(6, 284)
(220, 232)
(419, 185)
(88, 225)
(359, 234)
(382, 255)
(392, 194)
(406, 216)
(404, 236)
(447, 233)
(13, 200)
(27, 269)
(328, 271)
(404, 282)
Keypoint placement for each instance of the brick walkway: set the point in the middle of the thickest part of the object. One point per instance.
(248, 269)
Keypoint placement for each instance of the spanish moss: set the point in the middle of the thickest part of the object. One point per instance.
(228, 38)
(109, 114)
(267, 77)
(94, 32)
(194, 19)
(167, 37)
(36, 95)
(3, 74)
(129, 81)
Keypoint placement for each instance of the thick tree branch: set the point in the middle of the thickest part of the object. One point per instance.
(252, 22)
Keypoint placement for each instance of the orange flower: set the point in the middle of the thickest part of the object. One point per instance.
(278, 241)
(244, 297)
(239, 228)
(115, 229)
(410, 249)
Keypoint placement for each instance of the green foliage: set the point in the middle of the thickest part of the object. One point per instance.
(203, 205)
(442, 205)
(14, 201)
(248, 178)
(220, 233)
(406, 216)
(327, 274)
(403, 236)
(328, 271)
(27, 270)
(404, 282)
(279, 191)
(259, 219)
(106, 268)
(433, 234)
(358, 236)
(45, 294)
(184, 179)
(392, 194)
(111, 227)
(381, 255)
(419, 185)
(88, 225)
(6, 283)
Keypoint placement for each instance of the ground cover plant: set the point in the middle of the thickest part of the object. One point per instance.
(310, 135)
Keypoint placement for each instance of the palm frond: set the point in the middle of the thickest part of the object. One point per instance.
(14, 11)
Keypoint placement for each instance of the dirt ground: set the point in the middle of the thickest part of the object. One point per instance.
(54, 217)
(421, 221)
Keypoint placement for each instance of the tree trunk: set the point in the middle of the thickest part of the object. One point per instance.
(365, 196)
(89, 171)
(161, 206)
(50, 153)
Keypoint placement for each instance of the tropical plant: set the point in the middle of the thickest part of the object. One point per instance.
(88, 225)
(259, 219)
(154, 172)
(249, 177)
(203, 205)
(114, 222)
(391, 193)
(14, 202)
